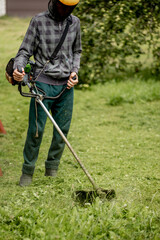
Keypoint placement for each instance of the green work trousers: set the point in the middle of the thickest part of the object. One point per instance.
(61, 109)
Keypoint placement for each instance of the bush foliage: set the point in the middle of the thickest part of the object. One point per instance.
(112, 31)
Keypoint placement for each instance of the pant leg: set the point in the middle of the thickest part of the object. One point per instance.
(62, 114)
(32, 144)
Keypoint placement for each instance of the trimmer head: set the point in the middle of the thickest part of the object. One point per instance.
(89, 196)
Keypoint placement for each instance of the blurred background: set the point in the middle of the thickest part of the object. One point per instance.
(120, 39)
(22, 8)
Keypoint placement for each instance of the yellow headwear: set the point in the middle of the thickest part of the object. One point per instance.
(69, 2)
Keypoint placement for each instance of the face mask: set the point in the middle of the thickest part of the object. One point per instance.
(59, 11)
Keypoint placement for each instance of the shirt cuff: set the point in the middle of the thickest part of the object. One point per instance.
(74, 69)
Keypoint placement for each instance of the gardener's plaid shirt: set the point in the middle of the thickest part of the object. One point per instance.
(42, 37)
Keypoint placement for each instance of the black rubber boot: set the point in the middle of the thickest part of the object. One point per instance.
(50, 172)
(25, 180)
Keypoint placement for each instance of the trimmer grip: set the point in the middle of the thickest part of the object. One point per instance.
(19, 68)
(74, 78)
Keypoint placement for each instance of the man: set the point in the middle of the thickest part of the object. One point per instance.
(41, 39)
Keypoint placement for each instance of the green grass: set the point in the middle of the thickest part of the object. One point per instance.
(115, 131)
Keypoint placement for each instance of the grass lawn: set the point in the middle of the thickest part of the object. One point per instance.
(115, 131)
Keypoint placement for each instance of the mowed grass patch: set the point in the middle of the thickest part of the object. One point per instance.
(115, 131)
(119, 145)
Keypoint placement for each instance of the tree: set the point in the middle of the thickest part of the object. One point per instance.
(114, 30)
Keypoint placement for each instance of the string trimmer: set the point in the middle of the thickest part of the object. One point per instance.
(39, 95)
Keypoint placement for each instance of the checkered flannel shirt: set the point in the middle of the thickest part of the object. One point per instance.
(42, 37)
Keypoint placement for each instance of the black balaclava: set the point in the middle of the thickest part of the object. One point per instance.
(59, 11)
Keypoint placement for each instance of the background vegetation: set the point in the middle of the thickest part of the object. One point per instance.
(115, 131)
(116, 37)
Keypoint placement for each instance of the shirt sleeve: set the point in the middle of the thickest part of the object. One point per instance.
(27, 47)
(77, 49)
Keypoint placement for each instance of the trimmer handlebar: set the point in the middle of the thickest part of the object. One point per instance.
(35, 92)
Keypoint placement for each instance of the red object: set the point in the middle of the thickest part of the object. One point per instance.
(1, 174)
(2, 130)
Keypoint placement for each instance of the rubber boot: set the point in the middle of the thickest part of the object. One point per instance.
(25, 180)
(50, 172)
